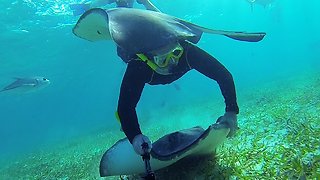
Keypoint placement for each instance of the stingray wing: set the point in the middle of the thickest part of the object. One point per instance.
(140, 31)
(93, 25)
(192, 32)
(237, 35)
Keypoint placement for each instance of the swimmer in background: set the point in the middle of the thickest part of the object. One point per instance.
(79, 9)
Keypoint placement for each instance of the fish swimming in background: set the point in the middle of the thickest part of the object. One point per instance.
(27, 84)
(176, 86)
(263, 3)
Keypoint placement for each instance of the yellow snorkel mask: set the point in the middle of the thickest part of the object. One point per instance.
(172, 57)
(163, 63)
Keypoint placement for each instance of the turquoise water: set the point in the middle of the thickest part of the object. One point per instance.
(36, 40)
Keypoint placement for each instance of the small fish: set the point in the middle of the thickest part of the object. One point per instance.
(27, 84)
(177, 87)
(263, 3)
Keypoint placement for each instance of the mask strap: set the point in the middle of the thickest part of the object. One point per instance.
(144, 58)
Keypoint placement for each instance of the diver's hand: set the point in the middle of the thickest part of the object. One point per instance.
(137, 142)
(230, 119)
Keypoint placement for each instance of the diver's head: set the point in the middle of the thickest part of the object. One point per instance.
(167, 56)
(164, 59)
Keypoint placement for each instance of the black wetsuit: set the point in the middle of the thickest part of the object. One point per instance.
(138, 73)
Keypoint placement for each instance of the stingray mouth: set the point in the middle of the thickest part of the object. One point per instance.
(93, 25)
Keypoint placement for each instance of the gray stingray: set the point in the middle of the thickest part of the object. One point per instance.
(141, 31)
(120, 159)
(26, 84)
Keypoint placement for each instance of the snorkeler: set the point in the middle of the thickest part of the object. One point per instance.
(164, 66)
(79, 9)
(159, 53)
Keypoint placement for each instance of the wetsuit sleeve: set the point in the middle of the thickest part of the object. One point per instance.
(209, 66)
(135, 77)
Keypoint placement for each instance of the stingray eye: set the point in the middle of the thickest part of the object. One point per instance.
(44, 79)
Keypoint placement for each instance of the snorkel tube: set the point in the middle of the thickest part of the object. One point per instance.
(149, 175)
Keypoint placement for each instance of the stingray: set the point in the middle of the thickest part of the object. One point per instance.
(142, 31)
(120, 159)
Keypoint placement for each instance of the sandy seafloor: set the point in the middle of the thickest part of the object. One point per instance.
(278, 139)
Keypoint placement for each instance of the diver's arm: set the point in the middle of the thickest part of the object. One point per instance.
(203, 62)
(148, 5)
(135, 77)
